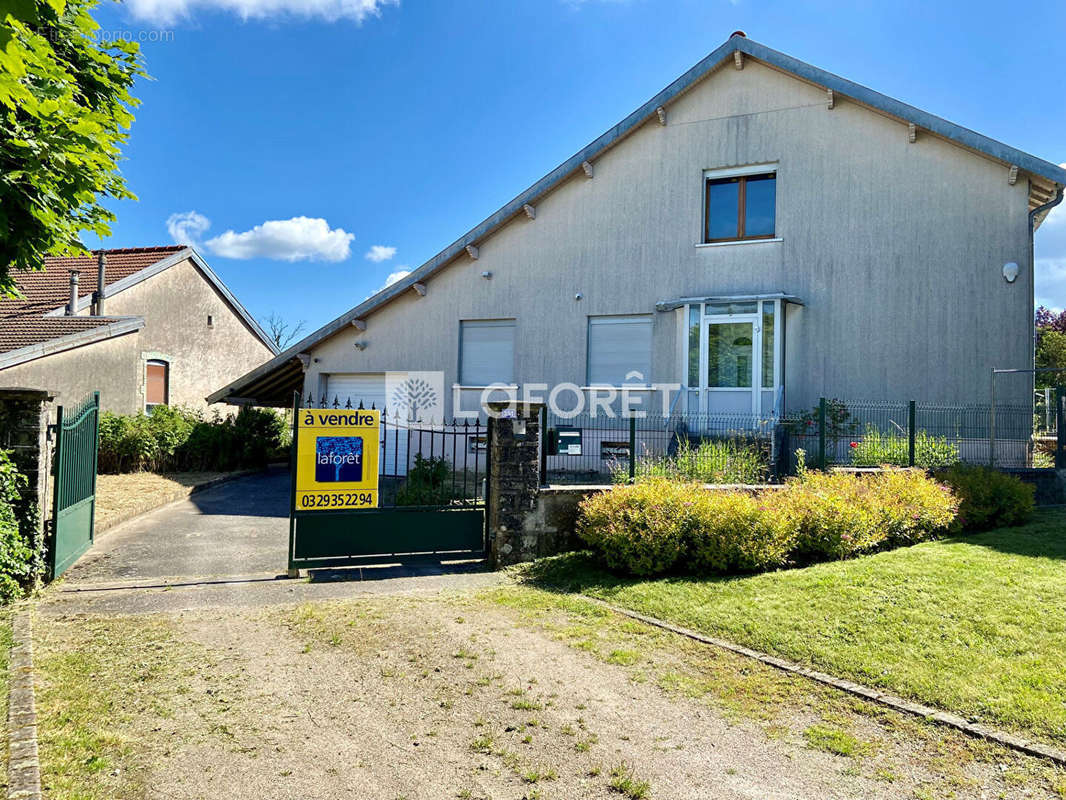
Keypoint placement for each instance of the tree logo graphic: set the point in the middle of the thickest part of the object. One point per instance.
(338, 459)
(415, 397)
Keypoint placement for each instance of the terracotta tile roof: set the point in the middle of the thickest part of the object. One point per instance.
(47, 289)
(19, 332)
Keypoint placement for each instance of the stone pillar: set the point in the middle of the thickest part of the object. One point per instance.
(24, 418)
(514, 482)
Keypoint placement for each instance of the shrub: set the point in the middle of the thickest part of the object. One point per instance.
(179, 439)
(16, 557)
(842, 514)
(735, 531)
(645, 528)
(708, 461)
(911, 506)
(988, 498)
(426, 484)
(640, 528)
(877, 449)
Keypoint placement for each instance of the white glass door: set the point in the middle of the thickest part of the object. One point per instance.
(730, 364)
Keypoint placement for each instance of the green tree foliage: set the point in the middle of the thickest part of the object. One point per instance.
(64, 112)
(1051, 353)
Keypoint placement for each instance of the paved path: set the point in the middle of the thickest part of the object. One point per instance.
(225, 546)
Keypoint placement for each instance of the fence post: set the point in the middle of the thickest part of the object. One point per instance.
(911, 415)
(544, 446)
(1060, 436)
(632, 449)
(992, 423)
(821, 433)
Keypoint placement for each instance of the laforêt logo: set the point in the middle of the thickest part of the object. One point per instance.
(415, 396)
(338, 459)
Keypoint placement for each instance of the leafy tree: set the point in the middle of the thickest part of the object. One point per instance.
(1046, 319)
(65, 108)
(1051, 353)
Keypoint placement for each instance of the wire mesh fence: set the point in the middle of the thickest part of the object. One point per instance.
(740, 448)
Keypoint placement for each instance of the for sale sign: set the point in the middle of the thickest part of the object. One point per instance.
(336, 459)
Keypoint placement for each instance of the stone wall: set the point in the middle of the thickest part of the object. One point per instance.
(24, 418)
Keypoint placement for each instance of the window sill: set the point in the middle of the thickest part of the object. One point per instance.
(738, 241)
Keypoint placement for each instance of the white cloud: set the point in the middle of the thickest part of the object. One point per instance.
(398, 275)
(296, 239)
(1050, 282)
(186, 227)
(166, 12)
(379, 252)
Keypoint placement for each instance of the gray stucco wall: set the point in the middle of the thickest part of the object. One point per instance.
(175, 305)
(896, 248)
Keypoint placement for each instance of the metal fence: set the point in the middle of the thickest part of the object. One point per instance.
(740, 448)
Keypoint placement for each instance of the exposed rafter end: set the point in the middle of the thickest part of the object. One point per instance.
(359, 324)
(912, 133)
(472, 251)
(531, 211)
(420, 288)
(1012, 175)
(830, 99)
(738, 59)
(587, 166)
(661, 113)
(305, 360)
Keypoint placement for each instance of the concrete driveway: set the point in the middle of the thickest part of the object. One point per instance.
(226, 546)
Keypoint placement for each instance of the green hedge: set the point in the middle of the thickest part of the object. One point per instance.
(988, 498)
(182, 440)
(16, 557)
(659, 526)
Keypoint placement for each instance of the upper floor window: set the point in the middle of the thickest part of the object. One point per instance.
(486, 351)
(739, 204)
(156, 385)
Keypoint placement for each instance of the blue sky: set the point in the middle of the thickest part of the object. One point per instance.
(319, 129)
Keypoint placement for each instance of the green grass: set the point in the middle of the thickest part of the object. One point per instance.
(972, 624)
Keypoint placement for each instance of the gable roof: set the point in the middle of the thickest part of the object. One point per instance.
(1051, 179)
(45, 290)
(35, 325)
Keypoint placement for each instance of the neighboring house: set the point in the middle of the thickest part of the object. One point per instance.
(165, 330)
(761, 232)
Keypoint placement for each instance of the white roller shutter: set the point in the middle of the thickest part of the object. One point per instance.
(618, 346)
(486, 352)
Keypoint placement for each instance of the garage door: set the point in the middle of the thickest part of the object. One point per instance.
(368, 388)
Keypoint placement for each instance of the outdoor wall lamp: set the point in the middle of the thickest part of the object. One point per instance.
(1010, 271)
(486, 275)
(360, 345)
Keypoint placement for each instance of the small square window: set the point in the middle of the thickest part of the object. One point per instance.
(210, 321)
(740, 207)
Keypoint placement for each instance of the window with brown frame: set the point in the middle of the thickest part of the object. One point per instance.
(157, 385)
(740, 207)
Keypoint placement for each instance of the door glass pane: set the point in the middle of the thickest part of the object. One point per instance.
(767, 345)
(723, 205)
(729, 355)
(760, 201)
(694, 345)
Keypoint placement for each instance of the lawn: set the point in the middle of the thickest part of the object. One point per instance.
(972, 624)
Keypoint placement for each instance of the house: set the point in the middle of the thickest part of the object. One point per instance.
(761, 233)
(164, 330)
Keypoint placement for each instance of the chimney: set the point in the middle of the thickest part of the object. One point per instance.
(72, 304)
(101, 282)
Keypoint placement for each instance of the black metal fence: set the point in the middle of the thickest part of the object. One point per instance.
(742, 448)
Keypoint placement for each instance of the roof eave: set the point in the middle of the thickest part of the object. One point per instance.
(120, 327)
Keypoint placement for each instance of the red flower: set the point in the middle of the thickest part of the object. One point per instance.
(853, 444)
(810, 422)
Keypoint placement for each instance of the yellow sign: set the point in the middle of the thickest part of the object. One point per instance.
(336, 459)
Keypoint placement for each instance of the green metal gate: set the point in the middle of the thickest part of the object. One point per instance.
(74, 487)
(431, 498)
